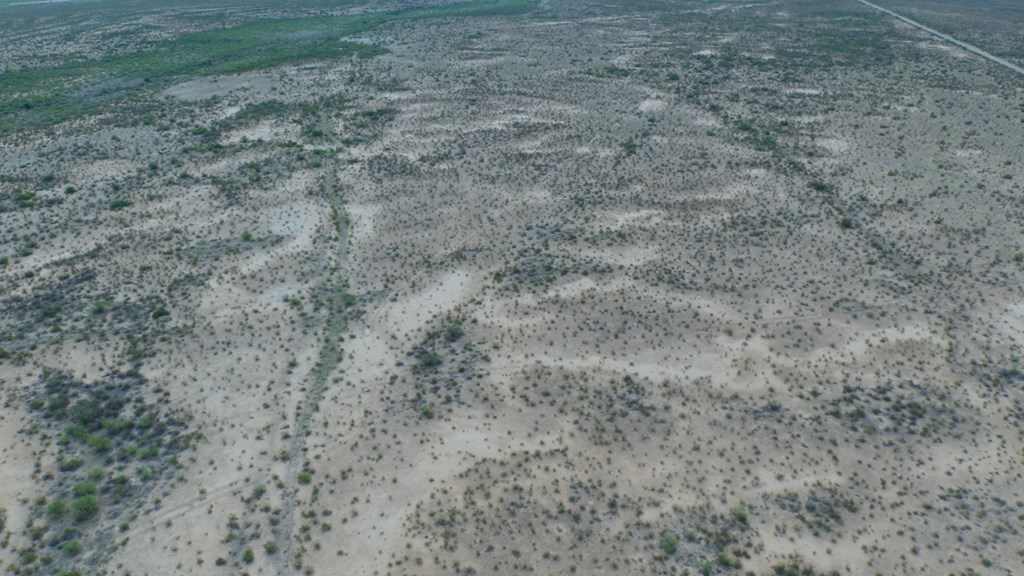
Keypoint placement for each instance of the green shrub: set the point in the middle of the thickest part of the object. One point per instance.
(428, 359)
(119, 203)
(669, 542)
(99, 306)
(77, 432)
(70, 464)
(114, 425)
(72, 548)
(83, 488)
(57, 508)
(453, 331)
(99, 443)
(729, 561)
(85, 507)
(739, 513)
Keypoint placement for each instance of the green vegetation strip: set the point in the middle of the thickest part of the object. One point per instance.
(46, 96)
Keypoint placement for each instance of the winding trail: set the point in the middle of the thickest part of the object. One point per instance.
(316, 382)
(968, 47)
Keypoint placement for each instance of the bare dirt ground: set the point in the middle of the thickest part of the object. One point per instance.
(641, 289)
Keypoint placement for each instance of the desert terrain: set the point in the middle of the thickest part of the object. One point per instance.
(556, 287)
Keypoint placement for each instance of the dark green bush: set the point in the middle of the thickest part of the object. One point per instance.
(85, 507)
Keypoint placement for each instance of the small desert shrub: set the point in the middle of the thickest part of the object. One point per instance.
(57, 508)
(453, 331)
(429, 360)
(84, 488)
(669, 542)
(85, 507)
(73, 548)
(739, 513)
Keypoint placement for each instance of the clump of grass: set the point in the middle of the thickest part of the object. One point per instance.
(669, 543)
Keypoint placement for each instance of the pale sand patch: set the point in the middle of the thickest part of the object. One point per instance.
(834, 145)
(623, 60)
(53, 253)
(808, 547)
(652, 105)
(685, 301)
(482, 62)
(363, 220)
(16, 464)
(411, 314)
(536, 145)
(808, 119)
(398, 96)
(300, 223)
(803, 91)
(600, 152)
(573, 289)
(865, 341)
(620, 219)
(202, 88)
(1013, 322)
(106, 169)
(264, 131)
(648, 364)
(538, 196)
(624, 256)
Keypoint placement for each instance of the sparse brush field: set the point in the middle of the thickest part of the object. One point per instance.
(502, 287)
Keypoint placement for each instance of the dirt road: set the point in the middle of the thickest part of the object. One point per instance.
(969, 47)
